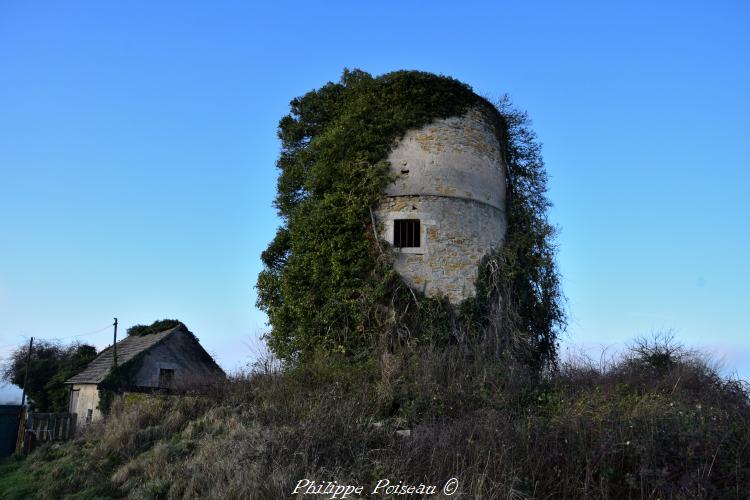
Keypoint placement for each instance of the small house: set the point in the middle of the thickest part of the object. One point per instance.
(164, 361)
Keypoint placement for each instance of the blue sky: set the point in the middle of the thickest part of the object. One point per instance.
(138, 141)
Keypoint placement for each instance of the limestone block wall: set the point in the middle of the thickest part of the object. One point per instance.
(451, 177)
(456, 234)
(457, 157)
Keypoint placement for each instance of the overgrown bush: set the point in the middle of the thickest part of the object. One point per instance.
(52, 363)
(155, 327)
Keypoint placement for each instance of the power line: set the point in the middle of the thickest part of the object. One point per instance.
(82, 334)
(86, 334)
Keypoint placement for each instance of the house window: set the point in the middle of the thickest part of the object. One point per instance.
(406, 233)
(166, 376)
(89, 415)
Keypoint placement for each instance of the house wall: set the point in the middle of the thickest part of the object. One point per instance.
(87, 399)
(450, 175)
(182, 354)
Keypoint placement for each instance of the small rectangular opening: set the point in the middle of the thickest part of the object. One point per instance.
(89, 415)
(406, 233)
(74, 401)
(166, 377)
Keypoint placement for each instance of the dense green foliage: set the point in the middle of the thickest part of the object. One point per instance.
(51, 365)
(157, 326)
(658, 423)
(327, 283)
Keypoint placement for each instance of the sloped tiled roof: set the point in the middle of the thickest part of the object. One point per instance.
(127, 349)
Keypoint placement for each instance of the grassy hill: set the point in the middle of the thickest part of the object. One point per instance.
(658, 423)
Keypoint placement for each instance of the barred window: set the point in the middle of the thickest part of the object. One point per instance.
(406, 233)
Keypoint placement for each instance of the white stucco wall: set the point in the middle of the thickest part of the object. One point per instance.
(450, 176)
(87, 399)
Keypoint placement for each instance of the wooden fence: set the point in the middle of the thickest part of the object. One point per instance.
(44, 427)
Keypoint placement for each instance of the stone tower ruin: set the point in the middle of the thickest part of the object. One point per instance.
(446, 208)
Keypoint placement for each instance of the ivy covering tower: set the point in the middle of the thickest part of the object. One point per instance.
(369, 255)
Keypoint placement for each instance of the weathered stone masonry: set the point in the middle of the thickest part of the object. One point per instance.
(451, 177)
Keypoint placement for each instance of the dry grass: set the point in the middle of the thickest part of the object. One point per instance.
(659, 423)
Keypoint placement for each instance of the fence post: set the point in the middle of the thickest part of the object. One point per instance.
(21, 429)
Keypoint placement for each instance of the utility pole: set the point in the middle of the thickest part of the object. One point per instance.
(26, 374)
(21, 433)
(114, 348)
